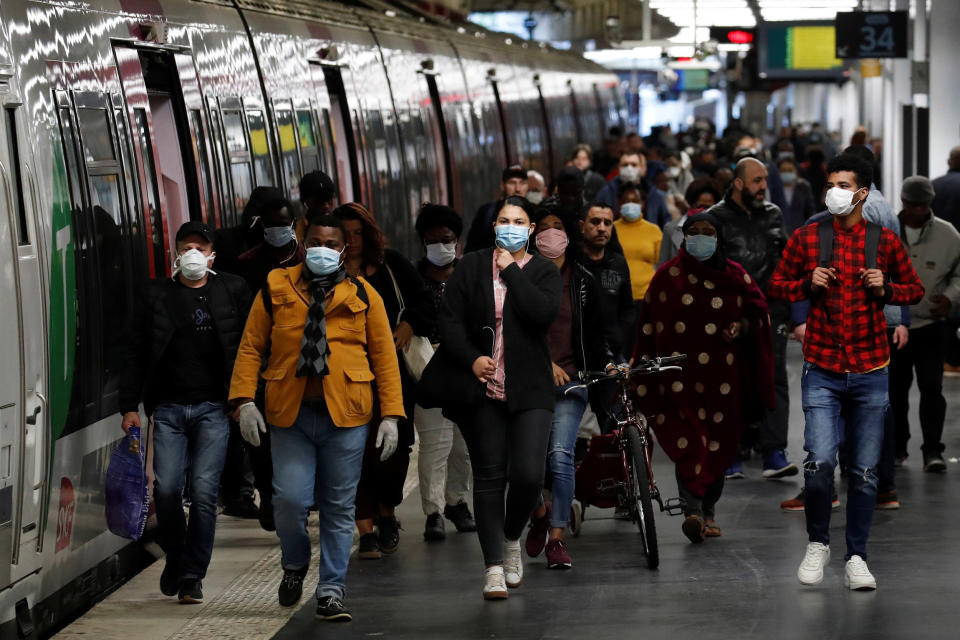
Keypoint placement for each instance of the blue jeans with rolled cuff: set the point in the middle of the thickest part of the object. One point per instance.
(567, 415)
(842, 409)
(188, 438)
(314, 460)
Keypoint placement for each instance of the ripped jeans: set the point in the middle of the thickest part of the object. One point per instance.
(563, 440)
(842, 409)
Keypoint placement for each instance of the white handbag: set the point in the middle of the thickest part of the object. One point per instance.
(419, 351)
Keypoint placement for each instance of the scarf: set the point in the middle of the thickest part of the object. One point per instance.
(315, 348)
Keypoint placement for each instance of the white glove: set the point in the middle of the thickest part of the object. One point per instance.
(251, 422)
(387, 436)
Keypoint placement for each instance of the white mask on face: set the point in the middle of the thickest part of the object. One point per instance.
(673, 172)
(629, 174)
(535, 197)
(840, 201)
(193, 264)
(441, 254)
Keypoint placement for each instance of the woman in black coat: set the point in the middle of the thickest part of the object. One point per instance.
(494, 318)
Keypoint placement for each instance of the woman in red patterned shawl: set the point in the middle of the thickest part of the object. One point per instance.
(709, 308)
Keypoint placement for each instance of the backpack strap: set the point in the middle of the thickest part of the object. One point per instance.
(825, 230)
(872, 245)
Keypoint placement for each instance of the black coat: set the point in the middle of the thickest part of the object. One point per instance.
(153, 327)
(616, 301)
(591, 350)
(467, 321)
(753, 240)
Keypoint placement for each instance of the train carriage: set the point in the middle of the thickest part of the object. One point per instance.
(122, 120)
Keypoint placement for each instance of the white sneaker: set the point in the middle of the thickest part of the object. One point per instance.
(494, 588)
(858, 577)
(512, 565)
(811, 569)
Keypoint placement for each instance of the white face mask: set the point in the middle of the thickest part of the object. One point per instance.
(629, 174)
(673, 172)
(840, 201)
(441, 254)
(535, 197)
(278, 236)
(193, 264)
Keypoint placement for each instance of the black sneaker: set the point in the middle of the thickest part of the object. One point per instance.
(243, 507)
(291, 587)
(331, 609)
(934, 463)
(265, 516)
(434, 530)
(389, 534)
(459, 514)
(191, 591)
(369, 547)
(170, 578)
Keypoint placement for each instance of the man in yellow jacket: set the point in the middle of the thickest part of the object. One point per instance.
(325, 338)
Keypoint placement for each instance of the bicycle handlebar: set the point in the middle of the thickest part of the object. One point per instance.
(645, 366)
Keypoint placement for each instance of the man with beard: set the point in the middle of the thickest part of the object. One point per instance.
(755, 239)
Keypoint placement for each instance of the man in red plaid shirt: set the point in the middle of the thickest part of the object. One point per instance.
(846, 355)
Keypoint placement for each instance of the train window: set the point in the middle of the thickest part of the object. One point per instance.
(308, 142)
(262, 165)
(242, 184)
(153, 192)
(199, 140)
(236, 139)
(95, 132)
(227, 212)
(16, 183)
(290, 160)
(239, 158)
(71, 155)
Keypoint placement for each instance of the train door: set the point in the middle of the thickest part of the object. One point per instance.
(334, 111)
(438, 128)
(24, 433)
(167, 114)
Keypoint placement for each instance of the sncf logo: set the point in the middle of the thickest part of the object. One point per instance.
(68, 506)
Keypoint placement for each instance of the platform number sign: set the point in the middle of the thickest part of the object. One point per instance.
(872, 34)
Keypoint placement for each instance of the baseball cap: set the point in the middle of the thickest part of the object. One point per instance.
(195, 227)
(514, 171)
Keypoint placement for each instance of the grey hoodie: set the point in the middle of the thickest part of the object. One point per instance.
(936, 257)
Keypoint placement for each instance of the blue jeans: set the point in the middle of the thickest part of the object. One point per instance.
(567, 415)
(188, 437)
(315, 460)
(842, 409)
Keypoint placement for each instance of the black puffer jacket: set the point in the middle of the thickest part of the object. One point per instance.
(153, 327)
(754, 240)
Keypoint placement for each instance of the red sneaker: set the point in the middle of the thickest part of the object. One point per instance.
(557, 556)
(537, 534)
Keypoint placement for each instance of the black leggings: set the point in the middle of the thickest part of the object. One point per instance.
(505, 446)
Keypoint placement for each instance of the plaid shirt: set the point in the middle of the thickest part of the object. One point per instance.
(846, 329)
(496, 388)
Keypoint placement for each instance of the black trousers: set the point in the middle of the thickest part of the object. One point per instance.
(773, 427)
(924, 354)
(505, 446)
(704, 507)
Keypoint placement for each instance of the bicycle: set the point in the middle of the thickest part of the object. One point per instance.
(629, 475)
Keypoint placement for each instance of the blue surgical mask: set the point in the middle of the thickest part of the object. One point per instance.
(278, 236)
(701, 247)
(788, 177)
(322, 261)
(512, 237)
(631, 211)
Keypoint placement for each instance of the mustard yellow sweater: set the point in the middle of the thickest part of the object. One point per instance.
(641, 247)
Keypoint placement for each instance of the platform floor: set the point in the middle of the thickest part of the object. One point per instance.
(742, 585)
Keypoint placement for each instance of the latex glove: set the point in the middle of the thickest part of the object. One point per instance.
(251, 423)
(387, 436)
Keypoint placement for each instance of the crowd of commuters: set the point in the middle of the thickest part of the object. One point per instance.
(304, 363)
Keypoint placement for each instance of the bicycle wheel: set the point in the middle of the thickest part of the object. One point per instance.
(640, 480)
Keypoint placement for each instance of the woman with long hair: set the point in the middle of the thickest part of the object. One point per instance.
(396, 280)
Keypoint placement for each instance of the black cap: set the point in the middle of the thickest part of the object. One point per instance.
(514, 171)
(318, 185)
(570, 174)
(195, 227)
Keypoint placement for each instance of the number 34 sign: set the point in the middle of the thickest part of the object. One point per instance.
(872, 34)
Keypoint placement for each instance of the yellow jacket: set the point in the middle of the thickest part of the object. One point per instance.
(360, 340)
(641, 247)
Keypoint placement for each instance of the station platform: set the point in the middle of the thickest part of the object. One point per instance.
(742, 585)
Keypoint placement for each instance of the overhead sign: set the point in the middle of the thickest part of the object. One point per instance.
(732, 35)
(872, 34)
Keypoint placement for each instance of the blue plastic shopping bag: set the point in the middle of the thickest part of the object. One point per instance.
(127, 494)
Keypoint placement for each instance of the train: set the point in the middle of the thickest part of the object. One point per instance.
(124, 118)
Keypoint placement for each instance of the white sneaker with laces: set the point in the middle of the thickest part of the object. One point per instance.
(811, 569)
(494, 587)
(512, 565)
(858, 576)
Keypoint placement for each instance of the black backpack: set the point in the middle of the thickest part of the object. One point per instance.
(825, 229)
